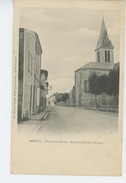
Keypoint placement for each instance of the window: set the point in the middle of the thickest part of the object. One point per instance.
(30, 62)
(98, 56)
(108, 56)
(86, 85)
(106, 59)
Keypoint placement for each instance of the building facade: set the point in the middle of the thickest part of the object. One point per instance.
(103, 65)
(51, 101)
(30, 52)
(44, 88)
(70, 101)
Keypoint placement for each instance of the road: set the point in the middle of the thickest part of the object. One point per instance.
(73, 120)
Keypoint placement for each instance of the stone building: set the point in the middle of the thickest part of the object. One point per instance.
(51, 101)
(44, 88)
(103, 64)
(70, 101)
(30, 51)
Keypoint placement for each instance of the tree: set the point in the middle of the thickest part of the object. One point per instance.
(98, 84)
(93, 85)
(113, 84)
(59, 97)
(102, 84)
(62, 97)
(65, 96)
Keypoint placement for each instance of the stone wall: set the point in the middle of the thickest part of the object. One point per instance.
(83, 98)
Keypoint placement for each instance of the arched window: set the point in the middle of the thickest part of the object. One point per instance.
(108, 56)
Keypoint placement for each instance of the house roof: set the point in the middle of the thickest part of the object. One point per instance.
(96, 66)
(104, 41)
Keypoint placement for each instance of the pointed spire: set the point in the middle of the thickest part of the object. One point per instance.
(104, 41)
(103, 32)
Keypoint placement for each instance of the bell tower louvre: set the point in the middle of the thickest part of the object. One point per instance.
(104, 48)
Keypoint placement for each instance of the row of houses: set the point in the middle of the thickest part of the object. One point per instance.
(32, 79)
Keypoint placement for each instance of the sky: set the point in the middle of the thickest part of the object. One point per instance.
(68, 37)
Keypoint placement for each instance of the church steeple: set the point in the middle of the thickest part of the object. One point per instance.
(104, 48)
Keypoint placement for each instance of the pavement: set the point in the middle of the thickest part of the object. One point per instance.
(39, 116)
(33, 122)
(70, 120)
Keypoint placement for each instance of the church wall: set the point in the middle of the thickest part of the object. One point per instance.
(77, 87)
(84, 98)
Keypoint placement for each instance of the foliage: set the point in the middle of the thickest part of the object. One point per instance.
(65, 96)
(108, 84)
(62, 97)
(59, 97)
(93, 84)
(113, 83)
(102, 83)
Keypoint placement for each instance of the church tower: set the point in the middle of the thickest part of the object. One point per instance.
(104, 48)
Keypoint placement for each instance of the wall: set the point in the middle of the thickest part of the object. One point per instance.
(20, 73)
(43, 79)
(83, 98)
(71, 100)
(30, 64)
(37, 70)
(29, 52)
(51, 101)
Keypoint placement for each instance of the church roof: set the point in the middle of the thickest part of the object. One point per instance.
(96, 66)
(104, 41)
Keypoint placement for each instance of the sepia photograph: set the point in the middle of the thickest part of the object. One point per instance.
(67, 87)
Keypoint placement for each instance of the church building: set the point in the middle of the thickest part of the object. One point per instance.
(103, 64)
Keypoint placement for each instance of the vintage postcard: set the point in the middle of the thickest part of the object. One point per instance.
(67, 102)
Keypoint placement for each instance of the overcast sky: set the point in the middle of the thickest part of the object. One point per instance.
(68, 38)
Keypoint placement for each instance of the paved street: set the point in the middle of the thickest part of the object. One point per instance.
(66, 120)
